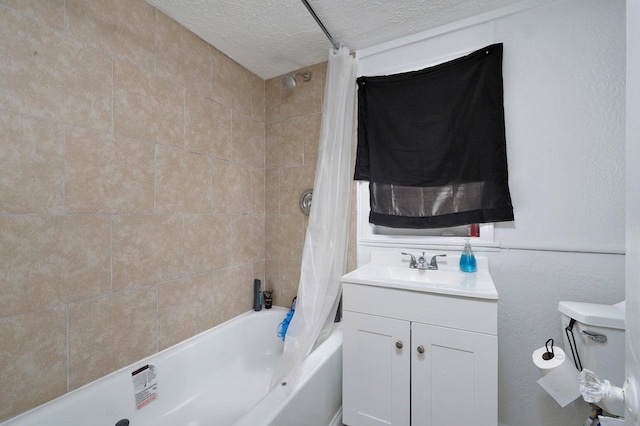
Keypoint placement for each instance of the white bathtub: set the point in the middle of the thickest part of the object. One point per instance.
(220, 377)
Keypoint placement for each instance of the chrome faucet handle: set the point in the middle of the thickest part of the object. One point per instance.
(434, 261)
(412, 263)
(421, 261)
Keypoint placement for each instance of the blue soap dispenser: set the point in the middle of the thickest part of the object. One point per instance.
(467, 259)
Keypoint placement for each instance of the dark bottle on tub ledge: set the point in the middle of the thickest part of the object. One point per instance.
(257, 295)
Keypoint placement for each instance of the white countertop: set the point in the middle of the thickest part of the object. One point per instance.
(392, 271)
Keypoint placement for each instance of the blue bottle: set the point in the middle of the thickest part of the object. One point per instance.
(467, 259)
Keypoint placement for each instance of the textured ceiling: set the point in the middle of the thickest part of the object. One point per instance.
(272, 37)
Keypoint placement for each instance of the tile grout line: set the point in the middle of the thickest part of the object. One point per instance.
(111, 217)
(65, 19)
(155, 41)
(184, 255)
(64, 170)
(68, 346)
(157, 288)
(184, 118)
(155, 179)
(113, 96)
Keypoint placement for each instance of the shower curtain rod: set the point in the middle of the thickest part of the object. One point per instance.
(326, 32)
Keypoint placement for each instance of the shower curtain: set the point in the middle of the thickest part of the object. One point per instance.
(325, 248)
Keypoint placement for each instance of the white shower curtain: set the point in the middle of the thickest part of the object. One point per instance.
(325, 249)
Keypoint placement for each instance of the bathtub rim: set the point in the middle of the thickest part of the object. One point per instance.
(179, 346)
(310, 366)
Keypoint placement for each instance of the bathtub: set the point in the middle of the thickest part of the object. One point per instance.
(220, 377)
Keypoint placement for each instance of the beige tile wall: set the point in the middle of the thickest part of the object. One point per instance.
(145, 180)
(293, 121)
(292, 117)
(132, 191)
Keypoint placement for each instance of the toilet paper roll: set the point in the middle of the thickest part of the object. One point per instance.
(559, 376)
(545, 366)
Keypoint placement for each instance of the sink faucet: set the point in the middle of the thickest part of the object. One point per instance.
(433, 263)
(421, 263)
(412, 263)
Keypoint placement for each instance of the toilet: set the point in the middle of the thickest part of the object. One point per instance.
(593, 336)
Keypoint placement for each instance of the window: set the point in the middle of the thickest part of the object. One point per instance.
(465, 231)
(432, 144)
(435, 238)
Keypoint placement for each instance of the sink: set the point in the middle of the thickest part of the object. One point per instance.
(427, 276)
(393, 272)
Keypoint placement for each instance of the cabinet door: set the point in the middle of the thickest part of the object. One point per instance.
(376, 370)
(454, 378)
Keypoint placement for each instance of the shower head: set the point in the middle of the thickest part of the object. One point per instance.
(289, 80)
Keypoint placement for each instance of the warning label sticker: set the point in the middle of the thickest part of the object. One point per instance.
(145, 385)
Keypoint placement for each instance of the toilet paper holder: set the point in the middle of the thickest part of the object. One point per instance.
(549, 353)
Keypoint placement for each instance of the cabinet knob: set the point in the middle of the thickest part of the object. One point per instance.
(399, 344)
(420, 349)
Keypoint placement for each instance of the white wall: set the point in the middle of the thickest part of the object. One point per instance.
(633, 195)
(564, 97)
(564, 80)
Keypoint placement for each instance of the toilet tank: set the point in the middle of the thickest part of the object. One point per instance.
(599, 339)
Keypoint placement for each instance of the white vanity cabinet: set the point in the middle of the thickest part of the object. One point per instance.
(413, 356)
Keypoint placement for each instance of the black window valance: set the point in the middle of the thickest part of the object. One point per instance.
(432, 144)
